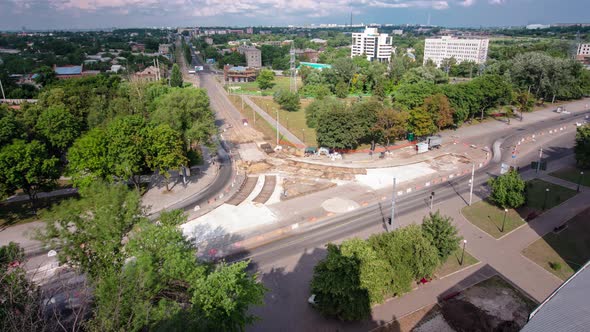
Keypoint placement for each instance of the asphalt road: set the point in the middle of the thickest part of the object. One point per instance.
(347, 225)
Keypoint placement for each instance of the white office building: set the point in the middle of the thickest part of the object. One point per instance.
(372, 44)
(439, 49)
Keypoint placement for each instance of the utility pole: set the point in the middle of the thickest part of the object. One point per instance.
(2, 88)
(391, 220)
(540, 157)
(471, 189)
(277, 127)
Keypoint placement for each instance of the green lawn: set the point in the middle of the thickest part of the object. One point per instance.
(453, 263)
(570, 248)
(281, 83)
(489, 218)
(293, 121)
(537, 198)
(572, 174)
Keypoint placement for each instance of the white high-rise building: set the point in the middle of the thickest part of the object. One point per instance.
(439, 49)
(584, 49)
(372, 44)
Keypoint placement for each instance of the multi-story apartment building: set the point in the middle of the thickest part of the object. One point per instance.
(439, 49)
(253, 55)
(372, 44)
(583, 54)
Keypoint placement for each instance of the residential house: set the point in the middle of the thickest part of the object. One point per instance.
(239, 74)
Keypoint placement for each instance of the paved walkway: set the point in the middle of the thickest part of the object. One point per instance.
(502, 256)
(284, 131)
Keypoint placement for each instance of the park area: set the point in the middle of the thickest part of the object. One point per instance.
(565, 250)
(294, 121)
(573, 175)
(496, 222)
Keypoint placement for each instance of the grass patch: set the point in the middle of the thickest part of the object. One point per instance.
(538, 198)
(489, 218)
(453, 263)
(572, 174)
(564, 253)
(281, 83)
(293, 121)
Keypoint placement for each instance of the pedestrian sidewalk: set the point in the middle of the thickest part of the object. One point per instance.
(157, 198)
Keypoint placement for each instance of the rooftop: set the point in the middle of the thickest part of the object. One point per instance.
(567, 309)
(68, 70)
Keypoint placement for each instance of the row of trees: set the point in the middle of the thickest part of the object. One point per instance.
(142, 275)
(360, 273)
(422, 108)
(118, 130)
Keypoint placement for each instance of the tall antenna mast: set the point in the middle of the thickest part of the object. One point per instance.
(428, 22)
(293, 72)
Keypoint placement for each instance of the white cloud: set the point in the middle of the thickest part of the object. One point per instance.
(276, 9)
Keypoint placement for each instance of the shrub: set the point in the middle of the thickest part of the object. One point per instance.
(555, 266)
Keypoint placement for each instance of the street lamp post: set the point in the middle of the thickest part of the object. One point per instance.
(471, 184)
(277, 127)
(504, 221)
(303, 129)
(580, 180)
(545, 200)
(431, 200)
(463, 253)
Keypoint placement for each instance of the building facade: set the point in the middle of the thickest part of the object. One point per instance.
(372, 44)
(583, 55)
(439, 49)
(239, 74)
(252, 54)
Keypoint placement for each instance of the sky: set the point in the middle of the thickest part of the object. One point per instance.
(90, 14)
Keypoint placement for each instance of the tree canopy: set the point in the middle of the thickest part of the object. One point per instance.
(507, 190)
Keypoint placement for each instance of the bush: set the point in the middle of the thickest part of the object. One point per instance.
(441, 233)
(289, 101)
(555, 266)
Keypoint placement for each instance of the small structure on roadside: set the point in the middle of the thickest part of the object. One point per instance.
(239, 74)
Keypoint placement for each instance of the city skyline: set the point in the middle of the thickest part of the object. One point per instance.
(97, 14)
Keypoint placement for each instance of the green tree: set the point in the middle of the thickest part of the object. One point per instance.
(176, 77)
(29, 167)
(165, 151)
(162, 287)
(20, 308)
(185, 110)
(407, 248)
(320, 106)
(10, 126)
(442, 234)
(88, 158)
(421, 122)
(440, 110)
(350, 279)
(582, 147)
(58, 127)
(391, 124)
(289, 101)
(507, 190)
(341, 89)
(410, 96)
(524, 102)
(265, 79)
(89, 231)
(127, 146)
(339, 128)
(492, 91)
(45, 76)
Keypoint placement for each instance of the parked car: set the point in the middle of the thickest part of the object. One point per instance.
(323, 151)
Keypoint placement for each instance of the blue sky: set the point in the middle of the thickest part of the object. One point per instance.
(60, 14)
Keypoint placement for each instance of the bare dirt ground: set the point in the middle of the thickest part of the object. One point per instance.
(296, 186)
(492, 305)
